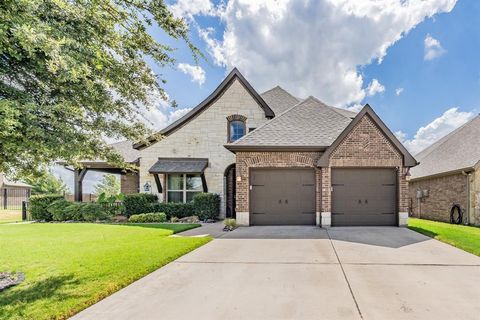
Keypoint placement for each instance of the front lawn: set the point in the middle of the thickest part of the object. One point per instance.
(70, 266)
(9, 216)
(464, 237)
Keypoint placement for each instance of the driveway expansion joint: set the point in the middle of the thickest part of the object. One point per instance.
(345, 276)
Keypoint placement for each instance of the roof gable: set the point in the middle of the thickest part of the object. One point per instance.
(408, 159)
(458, 150)
(224, 85)
(308, 124)
(279, 99)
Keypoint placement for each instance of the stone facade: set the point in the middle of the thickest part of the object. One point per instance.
(364, 146)
(204, 137)
(443, 191)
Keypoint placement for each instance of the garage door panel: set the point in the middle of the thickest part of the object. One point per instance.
(365, 196)
(286, 196)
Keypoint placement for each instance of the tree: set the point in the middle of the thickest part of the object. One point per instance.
(73, 72)
(109, 185)
(46, 183)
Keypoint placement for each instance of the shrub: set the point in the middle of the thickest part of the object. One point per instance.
(92, 212)
(58, 210)
(38, 205)
(179, 210)
(148, 217)
(138, 203)
(231, 223)
(206, 205)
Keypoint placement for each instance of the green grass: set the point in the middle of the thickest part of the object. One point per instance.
(70, 266)
(175, 227)
(9, 216)
(464, 237)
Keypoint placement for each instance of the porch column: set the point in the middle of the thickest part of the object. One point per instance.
(79, 174)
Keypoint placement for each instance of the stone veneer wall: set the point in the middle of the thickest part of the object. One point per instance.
(442, 193)
(204, 137)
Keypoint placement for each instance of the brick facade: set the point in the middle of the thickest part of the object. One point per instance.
(442, 193)
(129, 183)
(364, 146)
(247, 160)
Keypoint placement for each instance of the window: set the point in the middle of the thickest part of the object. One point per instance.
(182, 187)
(236, 130)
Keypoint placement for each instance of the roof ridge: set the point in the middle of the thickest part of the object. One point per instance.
(445, 138)
(268, 122)
(284, 90)
(333, 108)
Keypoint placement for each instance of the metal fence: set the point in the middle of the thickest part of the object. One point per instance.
(11, 198)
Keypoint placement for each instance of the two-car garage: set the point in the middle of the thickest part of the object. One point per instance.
(359, 196)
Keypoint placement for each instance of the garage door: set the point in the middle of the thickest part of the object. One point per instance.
(282, 196)
(363, 197)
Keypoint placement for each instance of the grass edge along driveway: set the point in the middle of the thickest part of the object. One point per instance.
(70, 266)
(463, 237)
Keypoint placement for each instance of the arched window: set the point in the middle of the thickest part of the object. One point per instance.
(237, 130)
(236, 127)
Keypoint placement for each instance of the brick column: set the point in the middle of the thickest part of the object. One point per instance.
(326, 200)
(402, 197)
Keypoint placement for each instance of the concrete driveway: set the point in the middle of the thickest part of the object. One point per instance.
(306, 273)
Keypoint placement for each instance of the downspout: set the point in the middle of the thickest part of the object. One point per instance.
(467, 175)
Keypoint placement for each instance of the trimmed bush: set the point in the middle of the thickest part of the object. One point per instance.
(63, 210)
(138, 203)
(179, 210)
(38, 204)
(206, 205)
(148, 217)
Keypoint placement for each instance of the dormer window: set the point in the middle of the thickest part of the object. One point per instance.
(236, 127)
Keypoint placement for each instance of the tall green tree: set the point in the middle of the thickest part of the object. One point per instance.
(109, 185)
(46, 183)
(73, 72)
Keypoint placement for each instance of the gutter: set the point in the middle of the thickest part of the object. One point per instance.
(273, 148)
(467, 175)
(441, 174)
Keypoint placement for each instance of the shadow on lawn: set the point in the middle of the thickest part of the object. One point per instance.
(53, 288)
(426, 232)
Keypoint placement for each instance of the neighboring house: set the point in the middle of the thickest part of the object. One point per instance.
(449, 174)
(277, 159)
(12, 193)
(14, 185)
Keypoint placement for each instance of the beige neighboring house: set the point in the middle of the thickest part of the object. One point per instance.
(276, 159)
(14, 185)
(448, 174)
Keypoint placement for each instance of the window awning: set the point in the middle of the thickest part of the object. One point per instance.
(179, 165)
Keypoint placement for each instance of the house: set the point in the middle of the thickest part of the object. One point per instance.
(12, 193)
(449, 174)
(277, 159)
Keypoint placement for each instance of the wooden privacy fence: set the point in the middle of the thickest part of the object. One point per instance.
(11, 198)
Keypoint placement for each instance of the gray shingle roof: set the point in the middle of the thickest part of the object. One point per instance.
(279, 99)
(179, 165)
(458, 150)
(309, 123)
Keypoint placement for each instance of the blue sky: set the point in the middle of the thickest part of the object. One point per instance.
(416, 63)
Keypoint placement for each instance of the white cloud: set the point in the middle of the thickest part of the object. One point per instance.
(195, 72)
(398, 91)
(438, 128)
(433, 48)
(189, 8)
(375, 87)
(313, 47)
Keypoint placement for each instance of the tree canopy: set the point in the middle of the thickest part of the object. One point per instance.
(74, 72)
(109, 185)
(46, 183)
